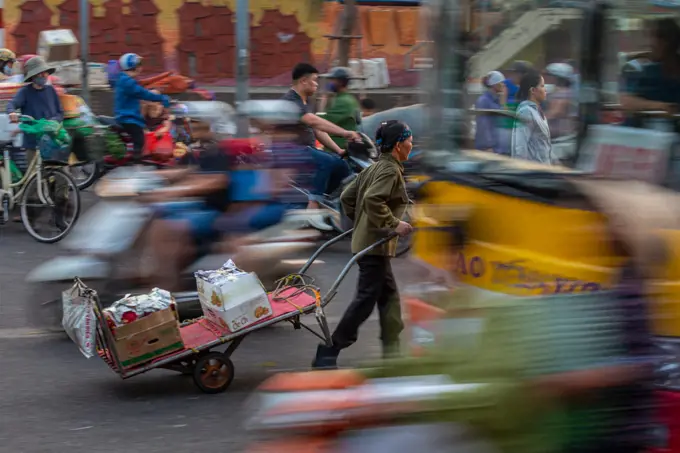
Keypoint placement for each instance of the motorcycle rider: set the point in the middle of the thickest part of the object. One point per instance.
(331, 169)
(127, 108)
(178, 236)
(7, 59)
(344, 110)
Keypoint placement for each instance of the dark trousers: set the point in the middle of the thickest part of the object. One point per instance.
(376, 285)
(330, 171)
(136, 133)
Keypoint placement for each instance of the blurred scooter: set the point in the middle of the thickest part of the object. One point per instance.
(106, 250)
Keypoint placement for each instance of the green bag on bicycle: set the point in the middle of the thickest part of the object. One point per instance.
(78, 127)
(53, 140)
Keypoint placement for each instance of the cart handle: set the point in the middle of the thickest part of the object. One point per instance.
(334, 289)
(318, 252)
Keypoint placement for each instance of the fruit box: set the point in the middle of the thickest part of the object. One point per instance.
(147, 338)
(234, 304)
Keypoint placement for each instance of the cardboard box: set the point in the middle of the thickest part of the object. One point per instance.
(236, 304)
(148, 338)
(57, 45)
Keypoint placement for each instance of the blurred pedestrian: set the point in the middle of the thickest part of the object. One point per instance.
(515, 72)
(531, 134)
(368, 107)
(562, 111)
(488, 133)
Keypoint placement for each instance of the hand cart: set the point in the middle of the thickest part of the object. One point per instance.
(213, 371)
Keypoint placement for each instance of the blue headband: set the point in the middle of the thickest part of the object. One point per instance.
(403, 137)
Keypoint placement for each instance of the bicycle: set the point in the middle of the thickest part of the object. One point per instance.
(42, 186)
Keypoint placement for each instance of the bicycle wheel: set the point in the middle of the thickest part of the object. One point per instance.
(60, 205)
(84, 174)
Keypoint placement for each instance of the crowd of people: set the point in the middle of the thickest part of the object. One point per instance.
(539, 116)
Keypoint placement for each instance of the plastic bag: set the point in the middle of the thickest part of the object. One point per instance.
(162, 147)
(50, 150)
(79, 319)
(130, 308)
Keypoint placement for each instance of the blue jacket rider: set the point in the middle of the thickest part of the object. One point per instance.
(127, 108)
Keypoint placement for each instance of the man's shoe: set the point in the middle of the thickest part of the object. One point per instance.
(316, 218)
(326, 358)
(391, 350)
(319, 222)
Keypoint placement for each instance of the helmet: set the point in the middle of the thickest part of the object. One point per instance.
(519, 66)
(129, 61)
(7, 55)
(339, 73)
(561, 70)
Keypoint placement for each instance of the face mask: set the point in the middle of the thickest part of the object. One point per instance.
(40, 81)
(332, 87)
(7, 70)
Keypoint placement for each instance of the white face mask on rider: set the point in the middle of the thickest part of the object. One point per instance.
(7, 70)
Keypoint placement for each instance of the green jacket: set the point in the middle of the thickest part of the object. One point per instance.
(344, 111)
(375, 201)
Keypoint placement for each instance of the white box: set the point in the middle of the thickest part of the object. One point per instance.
(71, 73)
(374, 72)
(57, 45)
(235, 304)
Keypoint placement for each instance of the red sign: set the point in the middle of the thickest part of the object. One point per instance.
(630, 162)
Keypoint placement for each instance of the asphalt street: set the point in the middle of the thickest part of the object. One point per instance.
(52, 399)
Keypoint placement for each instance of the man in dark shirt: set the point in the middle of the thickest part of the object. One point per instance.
(331, 169)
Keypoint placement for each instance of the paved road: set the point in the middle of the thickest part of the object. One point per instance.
(54, 400)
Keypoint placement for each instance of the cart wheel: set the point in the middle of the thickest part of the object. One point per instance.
(213, 372)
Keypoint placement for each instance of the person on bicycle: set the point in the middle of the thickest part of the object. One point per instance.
(376, 200)
(127, 107)
(7, 59)
(331, 169)
(37, 99)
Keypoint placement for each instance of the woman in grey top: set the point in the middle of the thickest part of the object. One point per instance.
(531, 134)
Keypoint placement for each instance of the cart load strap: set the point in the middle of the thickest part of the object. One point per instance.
(302, 283)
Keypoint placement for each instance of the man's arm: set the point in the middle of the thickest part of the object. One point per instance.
(328, 142)
(348, 199)
(17, 102)
(318, 123)
(632, 103)
(376, 198)
(193, 186)
(142, 93)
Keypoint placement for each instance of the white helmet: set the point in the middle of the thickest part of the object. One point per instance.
(561, 70)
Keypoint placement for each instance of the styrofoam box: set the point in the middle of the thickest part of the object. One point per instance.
(71, 73)
(57, 45)
(235, 304)
(373, 71)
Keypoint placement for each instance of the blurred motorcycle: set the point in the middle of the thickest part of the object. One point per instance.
(107, 251)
